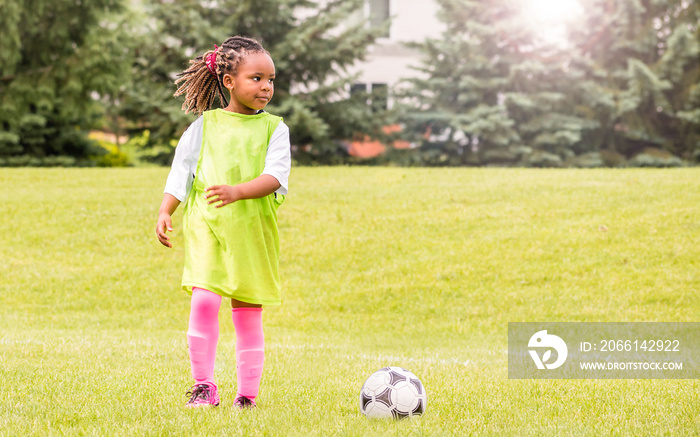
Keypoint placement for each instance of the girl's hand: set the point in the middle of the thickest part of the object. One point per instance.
(164, 224)
(224, 194)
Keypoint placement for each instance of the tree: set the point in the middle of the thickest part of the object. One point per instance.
(55, 55)
(493, 90)
(453, 111)
(312, 47)
(639, 61)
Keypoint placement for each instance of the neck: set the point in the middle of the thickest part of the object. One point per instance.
(240, 109)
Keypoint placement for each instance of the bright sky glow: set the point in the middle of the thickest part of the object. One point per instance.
(550, 17)
(554, 10)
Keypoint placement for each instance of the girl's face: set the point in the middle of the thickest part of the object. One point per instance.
(252, 87)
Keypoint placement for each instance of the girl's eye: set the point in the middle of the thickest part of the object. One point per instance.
(257, 79)
(272, 80)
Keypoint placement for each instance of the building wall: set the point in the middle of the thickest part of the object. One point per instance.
(389, 60)
(414, 20)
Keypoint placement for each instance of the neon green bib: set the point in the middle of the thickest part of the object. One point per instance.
(233, 251)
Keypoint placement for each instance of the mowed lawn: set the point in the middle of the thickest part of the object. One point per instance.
(419, 268)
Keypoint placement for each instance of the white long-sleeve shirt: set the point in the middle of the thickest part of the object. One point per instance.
(278, 161)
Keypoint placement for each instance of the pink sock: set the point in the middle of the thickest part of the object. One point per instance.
(203, 334)
(250, 350)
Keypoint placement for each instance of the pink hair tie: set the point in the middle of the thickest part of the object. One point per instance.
(211, 61)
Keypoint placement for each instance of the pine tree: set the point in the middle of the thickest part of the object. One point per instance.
(54, 56)
(551, 121)
(453, 110)
(495, 92)
(491, 92)
(639, 61)
(312, 47)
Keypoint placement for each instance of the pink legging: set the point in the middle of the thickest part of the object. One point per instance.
(203, 336)
(250, 350)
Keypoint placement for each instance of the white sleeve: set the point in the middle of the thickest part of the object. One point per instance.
(278, 161)
(184, 165)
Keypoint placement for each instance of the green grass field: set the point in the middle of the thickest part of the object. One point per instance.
(420, 268)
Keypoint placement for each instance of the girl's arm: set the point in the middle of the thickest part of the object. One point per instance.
(180, 178)
(167, 208)
(262, 186)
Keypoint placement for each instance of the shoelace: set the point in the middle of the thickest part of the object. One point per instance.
(199, 391)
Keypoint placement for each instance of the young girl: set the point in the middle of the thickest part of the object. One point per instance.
(231, 168)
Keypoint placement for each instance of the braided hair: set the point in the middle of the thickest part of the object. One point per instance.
(200, 86)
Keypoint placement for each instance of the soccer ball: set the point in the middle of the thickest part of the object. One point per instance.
(392, 392)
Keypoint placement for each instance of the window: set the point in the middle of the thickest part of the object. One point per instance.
(379, 14)
(376, 94)
(380, 96)
(358, 88)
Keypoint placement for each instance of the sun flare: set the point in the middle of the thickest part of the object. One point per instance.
(550, 17)
(554, 10)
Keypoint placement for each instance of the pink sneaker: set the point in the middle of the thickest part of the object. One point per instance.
(243, 403)
(202, 395)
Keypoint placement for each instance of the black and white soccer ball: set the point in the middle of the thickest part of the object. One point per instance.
(393, 392)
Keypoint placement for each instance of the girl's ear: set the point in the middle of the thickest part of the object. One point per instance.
(227, 81)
